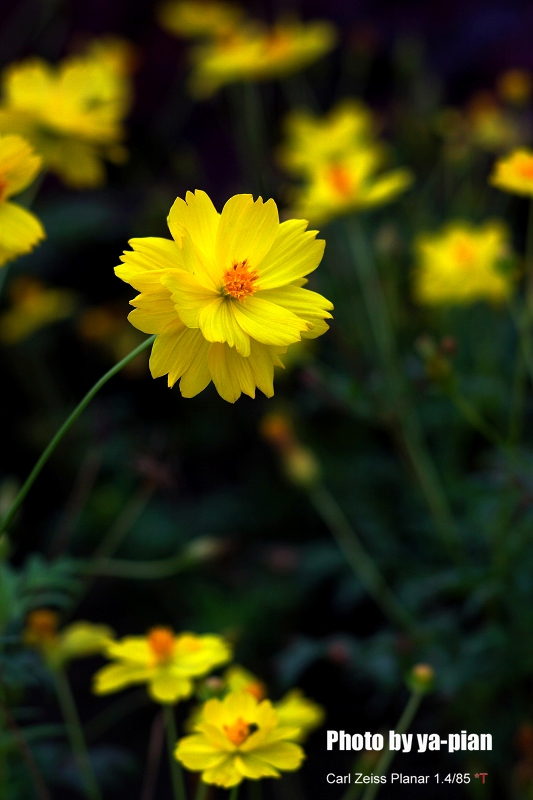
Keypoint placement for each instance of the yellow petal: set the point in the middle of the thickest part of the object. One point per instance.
(20, 231)
(246, 231)
(168, 688)
(19, 164)
(302, 302)
(250, 766)
(153, 311)
(189, 296)
(218, 324)
(150, 254)
(175, 350)
(114, 677)
(83, 639)
(228, 372)
(295, 253)
(197, 376)
(196, 753)
(267, 322)
(199, 217)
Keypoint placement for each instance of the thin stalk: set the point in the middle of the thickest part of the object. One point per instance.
(176, 772)
(234, 792)
(38, 780)
(47, 452)
(153, 760)
(202, 790)
(139, 570)
(386, 759)
(472, 415)
(75, 734)
(529, 264)
(358, 559)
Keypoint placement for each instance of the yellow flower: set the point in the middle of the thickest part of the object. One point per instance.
(165, 661)
(58, 647)
(33, 306)
(462, 264)
(515, 86)
(351, 183)
(297, 711)
(514, 173)
(311, 139)
(116, 53)
(255, 53)
(237, 738)
(72, 114)
(20, 230)
(225, 296)
(198, 18)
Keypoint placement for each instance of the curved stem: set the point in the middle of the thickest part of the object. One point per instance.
(47, 452)
(234, 792)
(178, 786)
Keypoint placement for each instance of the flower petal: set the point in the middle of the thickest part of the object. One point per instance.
(166, 687)
(246, 231)
(153, 311)
(190, 298)
(218, 324)
(230, 372)
(174, 350)
(113, 677)
(197, 376)
(20, 231)
(19, 164)
(267, 322)
(199, 217)
(149, 255)
(296, 252)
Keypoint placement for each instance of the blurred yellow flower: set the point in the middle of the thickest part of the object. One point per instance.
(514, 173)
(225, 296)
(237, 738)
(20, 230)
(515, 86)
(351, 183)
(297, 711)
(116, 53)
(463, 263)
(71, 113)
(255, 53)
(57, 647)
(33, 306)
(165, 661)
(310, 140)
(199, 18)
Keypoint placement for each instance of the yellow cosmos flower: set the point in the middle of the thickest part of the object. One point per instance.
(255, 53)
(199, 18)
(311, 140)
(514, 173)
(352, 183)
(239, 738)
(462, 264)
(165, 661)
(57, 647)
(20, 230)
(225, 296)
(515, 86)
(72, 114)
(117, 54)
(33, 306)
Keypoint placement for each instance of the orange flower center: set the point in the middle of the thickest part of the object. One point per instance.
(238, 732)
(257, 690)
(239, 280)
(278, 44)
(525, 169)
(464, 253)
(341, 180)
(161, 642)
(41, 625)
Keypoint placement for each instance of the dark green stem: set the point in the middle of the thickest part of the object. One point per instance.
(202, 790)
(234, 792)
(176, 772)
(47, 452)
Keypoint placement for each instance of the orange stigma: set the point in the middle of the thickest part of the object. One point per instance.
(161, 642)
(239, 281)
(464, 253)
(341, 180)
(41, 626)
(238, 732)
(526, 169)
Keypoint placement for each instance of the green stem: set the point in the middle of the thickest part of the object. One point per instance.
(358, 559)
(176, 772)
(139, 570)
(472, 415)
(398, 402)
(386, 759)
(202, 790)
(75, 734)
(47, 452)
(234, 792)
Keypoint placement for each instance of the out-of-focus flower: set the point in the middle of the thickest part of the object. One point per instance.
(421, 678)
(225, 296)
(310, 139)
(255, 53)
(115, 52)
(352, 183)
(71, 113)
(297, 711)
(33, 306)
(515, 86)
(106, 327)
(514, 173)
(199, 18)
(463, 263)
(300, 464)
(167, 662)
(239, 738)
(57, 647)
(20, 230)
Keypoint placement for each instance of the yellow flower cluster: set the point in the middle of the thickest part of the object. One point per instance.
(514, 173)
(20, 230)
(463, 263)
(340, 163)
(225, 296)
(33, 306)
(71, 113)
(239, 49)
(60, 646)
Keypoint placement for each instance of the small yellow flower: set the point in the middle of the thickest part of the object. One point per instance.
(225, 295)
(116, 53)
(515, 86)
(237, 738)
(60, 646)
(199, 18)
(165, 661)
(255, 53)
(351, 183)
(514, 173)
(311, 140)
(297, 711)
(33, 306)
(72, 114)
(20, 230)
(463, 263)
